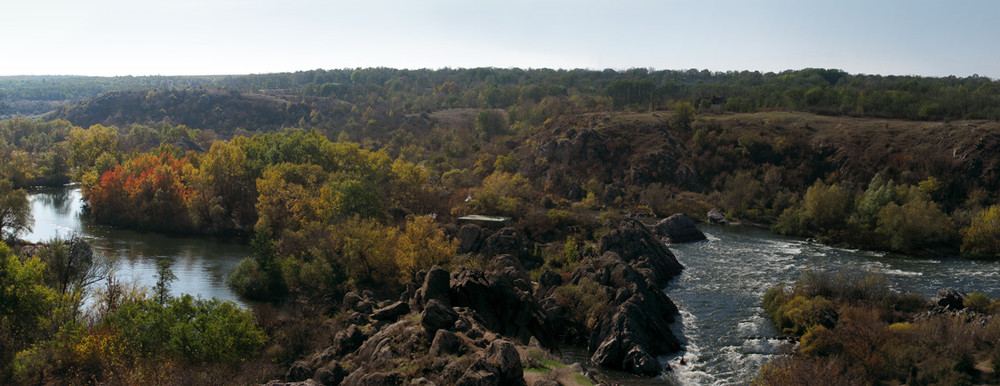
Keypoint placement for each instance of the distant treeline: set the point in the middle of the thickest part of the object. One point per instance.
(825, 91)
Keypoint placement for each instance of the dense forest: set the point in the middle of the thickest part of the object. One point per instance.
(350, 183)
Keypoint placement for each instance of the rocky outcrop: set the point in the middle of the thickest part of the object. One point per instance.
(949, 299)
(638, 247)
(469, 327)
(502, 300)
(510, 241)
(434, 287)
(634, 266)
(473, 326)
(678, 228)
(506, 241)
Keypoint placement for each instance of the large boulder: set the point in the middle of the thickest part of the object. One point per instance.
(632, 269)
(469, 238)
(445, 343)
(332, 374)
(437, 316)
(502, 302)
(678, 228)
(435, 286)
(499, 364)
(510, 241)
(716, 217)
(392, 311)
(362, 377)
(393, 342)
(298, 372)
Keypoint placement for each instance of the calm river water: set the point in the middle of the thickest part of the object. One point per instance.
(719, 293)
(201, 264)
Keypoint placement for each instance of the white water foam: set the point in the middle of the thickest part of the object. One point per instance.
(693, 371)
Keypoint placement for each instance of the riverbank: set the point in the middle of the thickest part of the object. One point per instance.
(201, 264)
(727, 336)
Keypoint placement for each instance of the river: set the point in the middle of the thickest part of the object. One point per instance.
(201, 264)
(727, 337)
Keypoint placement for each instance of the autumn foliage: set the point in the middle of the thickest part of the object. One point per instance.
(149, 191)
(855, 330)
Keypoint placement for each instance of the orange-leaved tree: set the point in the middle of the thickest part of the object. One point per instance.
(149, 191)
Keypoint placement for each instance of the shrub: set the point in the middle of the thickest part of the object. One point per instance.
(820, 341)
(982, 237)
(587, 301)
(978, 302)
(826, 206)
(501, 194)
(248, 280)
(801, 314)
(916, 224)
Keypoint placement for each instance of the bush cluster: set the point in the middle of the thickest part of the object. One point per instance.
(858, 331)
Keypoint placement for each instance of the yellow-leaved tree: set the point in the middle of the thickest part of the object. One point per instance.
(421, 245)
(982, 237)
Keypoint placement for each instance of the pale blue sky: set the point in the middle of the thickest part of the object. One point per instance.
(200, 37)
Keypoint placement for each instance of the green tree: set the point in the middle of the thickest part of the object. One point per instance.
(490, 123)
(684, 114)
(25, 303)
(19, 169)
(982, 237)
(353, 198)
(15, 211)
(501, 194)
(87, 145)
(879, 194)
(915, 224)
(825, 207)
(164, 276)
(740, 192)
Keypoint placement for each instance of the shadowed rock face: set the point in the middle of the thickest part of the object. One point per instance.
(640, 248)
(635, 266)
(678, 228)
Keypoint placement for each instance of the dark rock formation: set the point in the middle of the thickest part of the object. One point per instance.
(634, 266)
(447, 328)
(678, 228)
(437, 315)
(510, 241)
(355, 302)
(332, 374)
(446, 343)
(502, 300)
(950, 299)
(362, 378)
(392, 311)
(499, 364)
(636, 332)
(434, 287)
(716, 217)
(469, 238)
(637, 246)
(299, 372)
